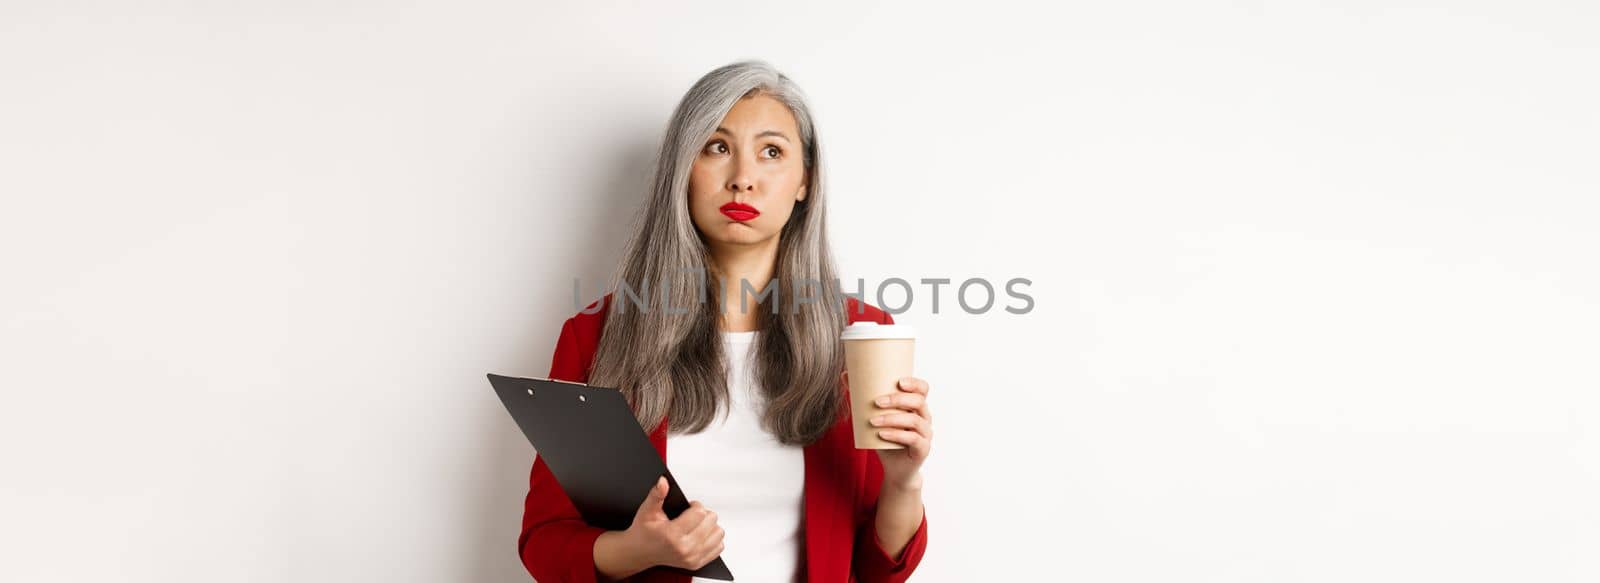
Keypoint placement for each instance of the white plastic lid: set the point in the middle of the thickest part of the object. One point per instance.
(876, 331)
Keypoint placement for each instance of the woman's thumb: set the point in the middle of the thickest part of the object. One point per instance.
(657, 493)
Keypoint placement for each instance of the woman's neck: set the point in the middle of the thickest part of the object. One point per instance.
(744, 265)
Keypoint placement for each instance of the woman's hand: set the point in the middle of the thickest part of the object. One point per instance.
(907, 422)
(689, 541)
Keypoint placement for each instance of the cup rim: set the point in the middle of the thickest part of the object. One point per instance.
(876, 331)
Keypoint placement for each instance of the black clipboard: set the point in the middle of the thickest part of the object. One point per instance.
(597, 451)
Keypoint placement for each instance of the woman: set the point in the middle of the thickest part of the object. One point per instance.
(751, 385)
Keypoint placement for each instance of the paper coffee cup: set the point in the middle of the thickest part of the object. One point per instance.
(876, 357)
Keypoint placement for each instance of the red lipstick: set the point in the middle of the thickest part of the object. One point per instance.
(740, 212)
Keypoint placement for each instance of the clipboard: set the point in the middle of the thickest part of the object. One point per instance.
(597, 451)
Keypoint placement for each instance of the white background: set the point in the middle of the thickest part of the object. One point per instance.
(1315, 284)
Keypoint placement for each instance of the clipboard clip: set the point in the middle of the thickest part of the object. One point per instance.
(580, 397)
(557, 380)
(566, 382)
(584, 385)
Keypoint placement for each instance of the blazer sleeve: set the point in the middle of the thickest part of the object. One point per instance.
(556, 545)
(872, 563)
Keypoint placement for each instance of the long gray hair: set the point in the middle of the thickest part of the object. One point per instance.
(667, 359)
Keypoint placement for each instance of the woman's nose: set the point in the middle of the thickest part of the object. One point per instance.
(741, 185)
(740, 181)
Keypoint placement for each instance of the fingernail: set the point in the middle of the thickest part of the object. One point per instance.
(877, 420)
(882, 401)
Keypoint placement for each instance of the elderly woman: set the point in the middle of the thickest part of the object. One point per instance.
(746, 391)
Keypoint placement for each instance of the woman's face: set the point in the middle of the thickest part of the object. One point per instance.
(753, 159)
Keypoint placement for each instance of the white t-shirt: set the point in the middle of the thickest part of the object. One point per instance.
(739, 471)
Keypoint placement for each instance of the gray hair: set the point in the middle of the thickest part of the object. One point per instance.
(668, 359)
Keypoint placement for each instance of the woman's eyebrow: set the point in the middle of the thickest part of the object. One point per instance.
(763, 134)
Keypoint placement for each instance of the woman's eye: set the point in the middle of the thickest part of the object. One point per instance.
(717, 148)
(774, 151)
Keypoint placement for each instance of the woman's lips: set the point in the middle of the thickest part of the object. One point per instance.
(740, 212)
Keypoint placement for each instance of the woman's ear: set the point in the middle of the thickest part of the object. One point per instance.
(800, 195)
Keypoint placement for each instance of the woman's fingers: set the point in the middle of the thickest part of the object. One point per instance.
(714, 544)
(912, 402)
(704, 527)
(693, 517)
(707, 535)
(916, 442)
(711, 553)
(899, 435)
(909, 421)
(914, 385)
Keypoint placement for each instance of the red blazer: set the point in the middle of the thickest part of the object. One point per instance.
(841, 493)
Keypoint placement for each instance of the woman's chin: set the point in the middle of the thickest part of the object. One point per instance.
(741, 234)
